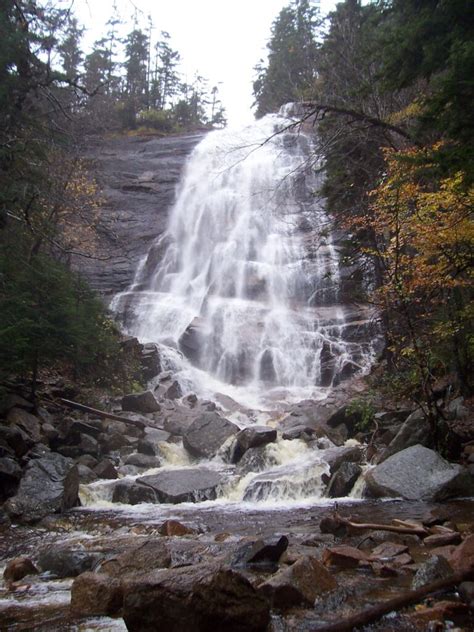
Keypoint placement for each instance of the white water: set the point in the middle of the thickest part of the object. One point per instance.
(248, 279)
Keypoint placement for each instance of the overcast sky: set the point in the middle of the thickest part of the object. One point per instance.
(222, 39)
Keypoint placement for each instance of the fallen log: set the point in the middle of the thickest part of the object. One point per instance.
(101, 413)
(339, 521)
(407, 599)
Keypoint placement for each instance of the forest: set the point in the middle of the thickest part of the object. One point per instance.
(387, 85)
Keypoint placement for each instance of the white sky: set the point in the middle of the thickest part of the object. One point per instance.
(221, 39)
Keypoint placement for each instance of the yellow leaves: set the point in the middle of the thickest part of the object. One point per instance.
(411, 111)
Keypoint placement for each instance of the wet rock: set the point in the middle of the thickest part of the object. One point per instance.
(186, 485)
(5, 522)
(347, 415)
(207, 433)
(336, 456)
(147, 447)
(143, 461)
(436, 567)
(190, 341)
(443, 539)
(150, 361)
(298, 432)
(300, 584)
(16, 439)
(418, 473)
(174, 528)
(415, 430)
(255, 460)
(96, 594)
(140, 403)
(18, 568)
(260, 552)
(173, 392)
(204, 598)
(155, 435)
(343, 557)
(49, 485)
(466, 592)
(65, 562)
(86, 475)
(132, 493)
(10, 474)
(26, 422)
(89, 445)
(116, 441)
(145, 556)
(462, 559)
(387, 551)
(252, 437)
(88, 460)
(106, 469)
(342, 482)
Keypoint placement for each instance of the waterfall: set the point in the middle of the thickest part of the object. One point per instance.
(243, 289)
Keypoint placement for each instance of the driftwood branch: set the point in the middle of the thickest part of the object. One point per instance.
(407, 599)
(405, 528)
(101, 413)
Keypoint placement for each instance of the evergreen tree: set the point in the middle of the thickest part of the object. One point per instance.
(292, 51)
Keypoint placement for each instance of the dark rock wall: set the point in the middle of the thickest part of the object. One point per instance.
(138, 178)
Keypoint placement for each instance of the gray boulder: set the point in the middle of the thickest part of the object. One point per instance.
(202, 598)
(343, 480)
(300, 584)
(10, 474)
(150, 361)
(143, 461)
(252, 437)
(27, 422)
(132, 493)
(140, 403)
(207, 433)
(415, 430)
(186, 485)
(418, 473)
(66, 562)
(49, 485)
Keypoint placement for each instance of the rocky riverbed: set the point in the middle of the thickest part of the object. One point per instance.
(163, 509)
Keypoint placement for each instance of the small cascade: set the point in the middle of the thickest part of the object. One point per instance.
(242, 291)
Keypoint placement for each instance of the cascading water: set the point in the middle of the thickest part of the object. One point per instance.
(245, 282)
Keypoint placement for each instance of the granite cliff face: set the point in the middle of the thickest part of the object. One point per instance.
(138, 178)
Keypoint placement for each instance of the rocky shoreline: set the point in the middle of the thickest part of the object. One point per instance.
(194, 575)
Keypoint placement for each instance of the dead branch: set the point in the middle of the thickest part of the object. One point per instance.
(409, 598)
(406, 529)
(101, 413)
(320, 108)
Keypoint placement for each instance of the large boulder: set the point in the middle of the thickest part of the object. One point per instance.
(418, 473)
(49, 485)
(415, 430)
(343, 480)
(142, 558)
(252, 437)
(67, 562)
(132, 493)
(27, 422)
(203, 598)
(299, 584)
(150, 361)
(96, 594)
(10, 474)
(185, 485)
(207, 433)
(140, 403)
